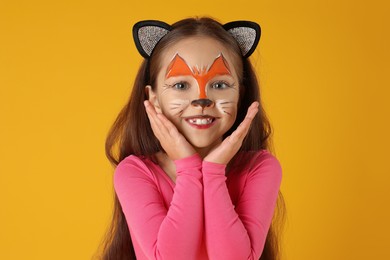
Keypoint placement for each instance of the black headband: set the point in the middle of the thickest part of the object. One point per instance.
(148, 33)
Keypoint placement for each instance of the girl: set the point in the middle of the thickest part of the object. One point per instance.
(194, 178)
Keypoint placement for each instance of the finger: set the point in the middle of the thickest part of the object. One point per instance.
(251, 113)
(252, 110)
(150, 111)
(162, 124)
(155, 128)
(161, 120)
(171, 128)
(154, 120)
(242, 130)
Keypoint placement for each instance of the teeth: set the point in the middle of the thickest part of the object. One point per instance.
(200, 121)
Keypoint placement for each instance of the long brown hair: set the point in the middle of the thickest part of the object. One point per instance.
(131, 132)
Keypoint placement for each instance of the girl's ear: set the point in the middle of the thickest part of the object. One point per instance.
(152, 97)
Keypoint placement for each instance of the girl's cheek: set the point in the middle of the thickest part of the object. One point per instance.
(178, 105)
(227, 94)
(226, 107)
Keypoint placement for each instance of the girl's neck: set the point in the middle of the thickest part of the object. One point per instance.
(203, 152)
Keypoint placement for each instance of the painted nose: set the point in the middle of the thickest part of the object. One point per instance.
(203, 102)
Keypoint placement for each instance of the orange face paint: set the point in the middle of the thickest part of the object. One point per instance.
(179, 67)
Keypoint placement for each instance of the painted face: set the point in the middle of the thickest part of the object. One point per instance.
(197, 89)
(179, 67)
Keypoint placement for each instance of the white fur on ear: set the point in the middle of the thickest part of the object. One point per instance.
(247, 35)
(147, 34)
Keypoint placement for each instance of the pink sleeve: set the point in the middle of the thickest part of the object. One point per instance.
(239, 232)
(161, 233)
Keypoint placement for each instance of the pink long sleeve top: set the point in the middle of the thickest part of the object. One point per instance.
(206, 214)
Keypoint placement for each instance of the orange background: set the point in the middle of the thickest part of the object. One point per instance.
(66, 69)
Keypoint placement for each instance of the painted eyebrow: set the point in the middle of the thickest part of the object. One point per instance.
(218, 67)
(179, 67)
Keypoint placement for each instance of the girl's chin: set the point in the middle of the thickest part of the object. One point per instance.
(204, 146)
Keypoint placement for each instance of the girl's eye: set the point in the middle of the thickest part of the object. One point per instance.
(180, 86)
(220, 85)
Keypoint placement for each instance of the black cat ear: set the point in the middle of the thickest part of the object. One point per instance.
(147, 34)
(246, 33)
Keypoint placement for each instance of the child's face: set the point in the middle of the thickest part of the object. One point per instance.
(198, 90)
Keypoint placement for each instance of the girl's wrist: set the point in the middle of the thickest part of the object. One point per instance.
(213, 168)
(190, 161)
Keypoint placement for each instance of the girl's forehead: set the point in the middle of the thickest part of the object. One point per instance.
(198, 52)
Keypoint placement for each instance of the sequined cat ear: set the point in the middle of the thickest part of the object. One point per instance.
(147, 34)
(246, 33)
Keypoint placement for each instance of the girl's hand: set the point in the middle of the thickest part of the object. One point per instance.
(171, 140)
(223, 153)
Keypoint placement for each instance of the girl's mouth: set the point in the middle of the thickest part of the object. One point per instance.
(201, 122)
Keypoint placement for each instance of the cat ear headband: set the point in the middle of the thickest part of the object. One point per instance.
(148, 33)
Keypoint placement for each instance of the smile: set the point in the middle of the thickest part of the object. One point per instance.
(201, 122)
